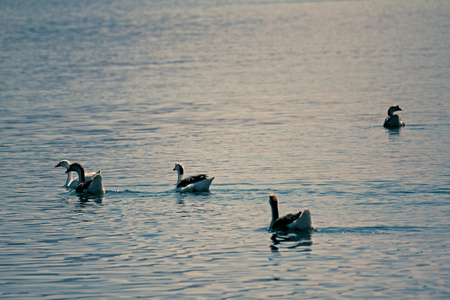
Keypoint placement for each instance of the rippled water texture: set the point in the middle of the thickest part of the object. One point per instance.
(284, 97)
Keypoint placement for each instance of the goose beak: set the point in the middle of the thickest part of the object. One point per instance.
(58, 165)
(174, 169)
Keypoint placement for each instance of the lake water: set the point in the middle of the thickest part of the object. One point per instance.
(284, 97)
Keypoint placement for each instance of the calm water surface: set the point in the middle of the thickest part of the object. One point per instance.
(284, 97)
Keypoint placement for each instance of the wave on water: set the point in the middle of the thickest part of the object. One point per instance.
(369, 230)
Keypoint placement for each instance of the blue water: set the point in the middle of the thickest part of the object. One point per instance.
(284, 97)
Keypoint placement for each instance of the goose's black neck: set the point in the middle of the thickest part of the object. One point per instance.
(80, 171)
(275, 214)
(274, 205)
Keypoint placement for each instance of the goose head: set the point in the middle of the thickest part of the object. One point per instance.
(273, 200)
(63, 163)
(76, 167)
(392, 110)
(179, 167)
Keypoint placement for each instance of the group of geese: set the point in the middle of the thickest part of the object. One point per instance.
(92, 184)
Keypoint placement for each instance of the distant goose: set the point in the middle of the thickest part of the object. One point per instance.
(72, 182)
(93, 186)
(393, 121)
(300, 221)
(196, 183)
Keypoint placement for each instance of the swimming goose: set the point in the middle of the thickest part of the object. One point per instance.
(196, 183)
(72, 182)
(299, 221)
(93, 186)
(393, 121)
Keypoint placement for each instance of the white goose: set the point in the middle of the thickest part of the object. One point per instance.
(299, 221)
(196, 183)
(72, 182)
(93, 186)
(393, 121)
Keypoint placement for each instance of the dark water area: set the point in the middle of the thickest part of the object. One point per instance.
(269, 97)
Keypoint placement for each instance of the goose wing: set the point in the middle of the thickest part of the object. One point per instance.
(283, 222)
(191, 179)
(90, 176)
(83, 186)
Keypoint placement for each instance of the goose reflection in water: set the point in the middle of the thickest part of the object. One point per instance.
(393, 132)
(90, 198)
(294, 240)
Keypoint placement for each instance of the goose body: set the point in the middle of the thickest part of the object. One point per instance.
(94, 186)
(72, 182)
(299, 221)
(393, 121)
(196, 183)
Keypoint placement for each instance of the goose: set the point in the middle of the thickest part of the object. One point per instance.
(299, 221)
(393, 121)
(72, 182)
(93, 186)
(196, 183)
